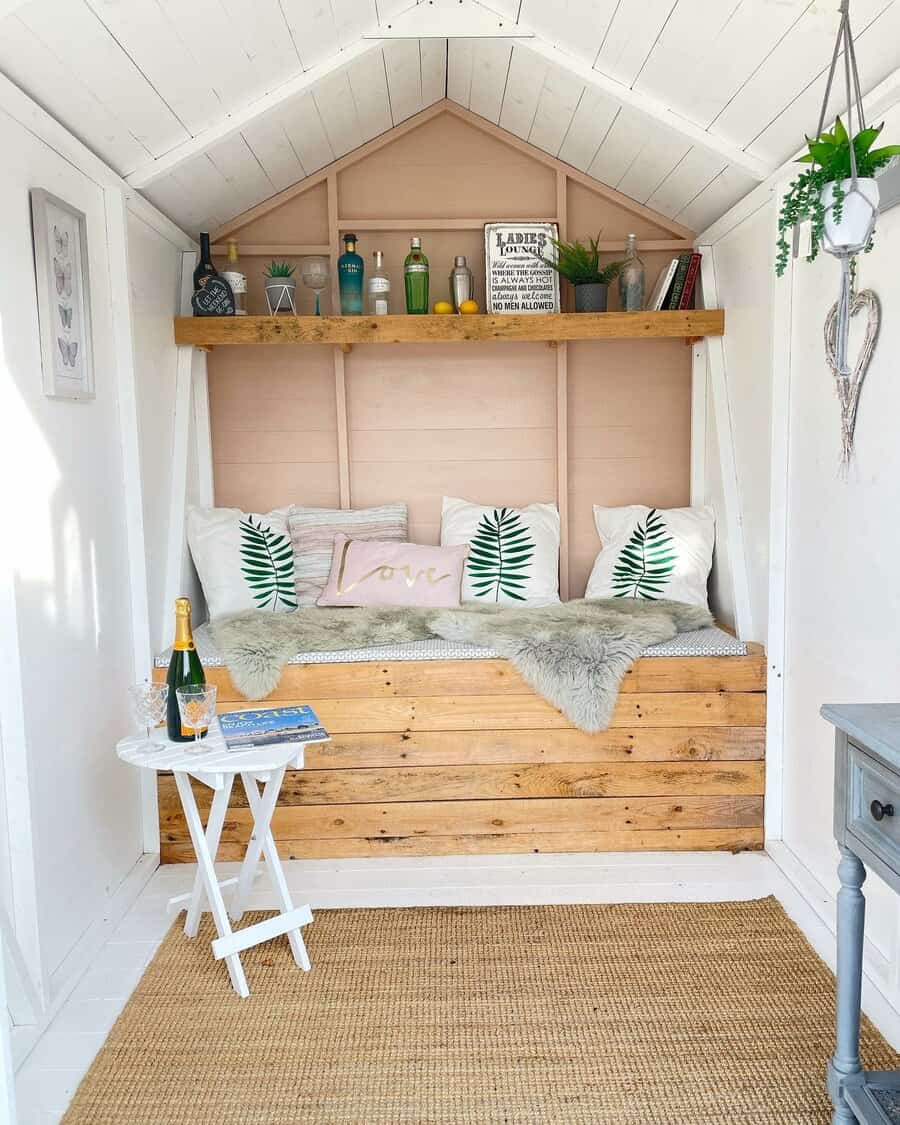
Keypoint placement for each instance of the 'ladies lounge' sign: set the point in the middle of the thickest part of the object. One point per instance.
(517, 280)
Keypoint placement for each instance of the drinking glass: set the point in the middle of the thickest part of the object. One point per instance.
(314, 272)
(148, 709)
(197, 706)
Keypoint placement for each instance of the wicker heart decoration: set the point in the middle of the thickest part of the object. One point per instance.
(848, 387)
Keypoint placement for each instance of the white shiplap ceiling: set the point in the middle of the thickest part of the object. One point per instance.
(214, 105)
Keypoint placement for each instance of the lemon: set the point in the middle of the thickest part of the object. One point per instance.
(469, 307)
(443, 307)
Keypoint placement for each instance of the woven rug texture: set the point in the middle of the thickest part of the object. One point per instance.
(658, 1014)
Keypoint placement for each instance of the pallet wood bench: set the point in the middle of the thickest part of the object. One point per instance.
(439, 757)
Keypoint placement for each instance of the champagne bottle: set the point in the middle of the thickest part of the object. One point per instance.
(205, 267)
(184, 669)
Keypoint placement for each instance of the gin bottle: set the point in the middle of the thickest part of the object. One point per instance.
(350, 278)
(379, 288)
(415, 278)
(631, 278)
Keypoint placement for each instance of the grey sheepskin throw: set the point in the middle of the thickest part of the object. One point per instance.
(573, 654)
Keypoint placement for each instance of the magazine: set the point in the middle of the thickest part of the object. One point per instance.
(270, 726)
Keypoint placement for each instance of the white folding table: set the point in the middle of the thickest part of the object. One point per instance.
(216, 767)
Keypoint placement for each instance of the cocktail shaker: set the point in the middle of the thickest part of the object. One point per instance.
(462, 284)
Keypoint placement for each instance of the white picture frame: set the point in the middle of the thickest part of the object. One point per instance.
(515, 279)
(59, 233)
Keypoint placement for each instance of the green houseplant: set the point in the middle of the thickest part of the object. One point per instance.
(580, 266)
(842, 220)
(281, 287)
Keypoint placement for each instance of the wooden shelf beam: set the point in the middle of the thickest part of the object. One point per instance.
(213, 331)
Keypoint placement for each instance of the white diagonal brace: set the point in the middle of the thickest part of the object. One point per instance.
(253, 111)
(651, 107)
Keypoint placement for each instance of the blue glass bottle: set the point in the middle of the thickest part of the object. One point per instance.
(350, 278)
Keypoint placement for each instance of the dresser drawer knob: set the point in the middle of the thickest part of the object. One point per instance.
(880, 811)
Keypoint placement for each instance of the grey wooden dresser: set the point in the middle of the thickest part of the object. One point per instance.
(867, 829)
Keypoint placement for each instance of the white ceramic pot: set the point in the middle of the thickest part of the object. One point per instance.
(858, 214)
(280, 292)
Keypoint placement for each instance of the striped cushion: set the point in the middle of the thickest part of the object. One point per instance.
(313, 531)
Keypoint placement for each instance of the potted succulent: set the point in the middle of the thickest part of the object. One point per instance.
(843, 220)
(580, 266)
(281, 287)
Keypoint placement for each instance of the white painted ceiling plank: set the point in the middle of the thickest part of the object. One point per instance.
(261, 31)
(84, 46)
(36, 69)
(368, 82)
(799, 59)
(710, 48)
(313, 30)
(337, 108)
(247, 183)
(576, 26)
(353, 19)
(460, 57)
(523, 89)
(301, 122)
(877, 56)
(556, 108)
(630, 38)
(270, 145)
(404, 77)
(201, 179)
(715, 199)
(509, 9)
(686, 180)
(182, 206)
(588, 128)
(661, 150)
(490, 65)
(433, 58)
(152, 41)
(621, 145)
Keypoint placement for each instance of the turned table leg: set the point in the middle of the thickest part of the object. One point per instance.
(851, 913)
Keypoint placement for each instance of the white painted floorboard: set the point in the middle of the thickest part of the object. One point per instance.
(51, 1073)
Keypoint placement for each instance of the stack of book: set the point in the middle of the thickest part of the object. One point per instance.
(675, 285)
(256, 727)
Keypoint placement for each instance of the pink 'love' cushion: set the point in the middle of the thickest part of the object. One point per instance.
(376, 572)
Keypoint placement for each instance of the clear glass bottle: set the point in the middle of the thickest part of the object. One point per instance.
(631, 278)
(415, 278)
(235, 278)
(378, 288)
(350, 278)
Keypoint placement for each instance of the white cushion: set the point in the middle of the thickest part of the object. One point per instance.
(653, 553)
(245, 560)
(526, 538)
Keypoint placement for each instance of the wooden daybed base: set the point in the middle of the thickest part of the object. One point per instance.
(439, 757)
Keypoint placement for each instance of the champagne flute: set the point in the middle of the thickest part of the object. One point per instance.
(148, 709)
(314, 273)
(197, 706)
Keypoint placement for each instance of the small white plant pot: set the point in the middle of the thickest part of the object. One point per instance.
(858, 214)
(280, 295)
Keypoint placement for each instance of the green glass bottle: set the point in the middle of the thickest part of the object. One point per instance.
(350, 278)
(415, 278)
(184, 669)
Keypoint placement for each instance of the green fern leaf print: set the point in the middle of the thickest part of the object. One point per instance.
(267, 564)
(500, 556)
(646, 562)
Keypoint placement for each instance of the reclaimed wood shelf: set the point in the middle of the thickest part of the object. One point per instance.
(208, 332)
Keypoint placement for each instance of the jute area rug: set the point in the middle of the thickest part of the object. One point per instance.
(677, 1014)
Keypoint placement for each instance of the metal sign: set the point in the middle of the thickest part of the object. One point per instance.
(517, 280)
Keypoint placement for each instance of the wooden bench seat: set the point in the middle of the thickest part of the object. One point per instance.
(437, 757)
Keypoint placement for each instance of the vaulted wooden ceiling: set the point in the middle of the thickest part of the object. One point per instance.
(211, 106)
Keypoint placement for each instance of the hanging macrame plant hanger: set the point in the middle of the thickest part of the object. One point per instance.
(857, 206)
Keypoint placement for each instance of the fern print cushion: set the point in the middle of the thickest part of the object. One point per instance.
(653, 553)
(245, 560)
(513, 552)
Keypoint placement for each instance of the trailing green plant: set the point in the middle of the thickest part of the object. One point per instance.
(580, 264)
(500, 555)
(279, 270)
(829, 157)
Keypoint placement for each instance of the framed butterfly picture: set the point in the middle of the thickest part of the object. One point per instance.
(63, 294)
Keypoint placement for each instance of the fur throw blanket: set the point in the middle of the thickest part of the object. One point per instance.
(574, 654)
